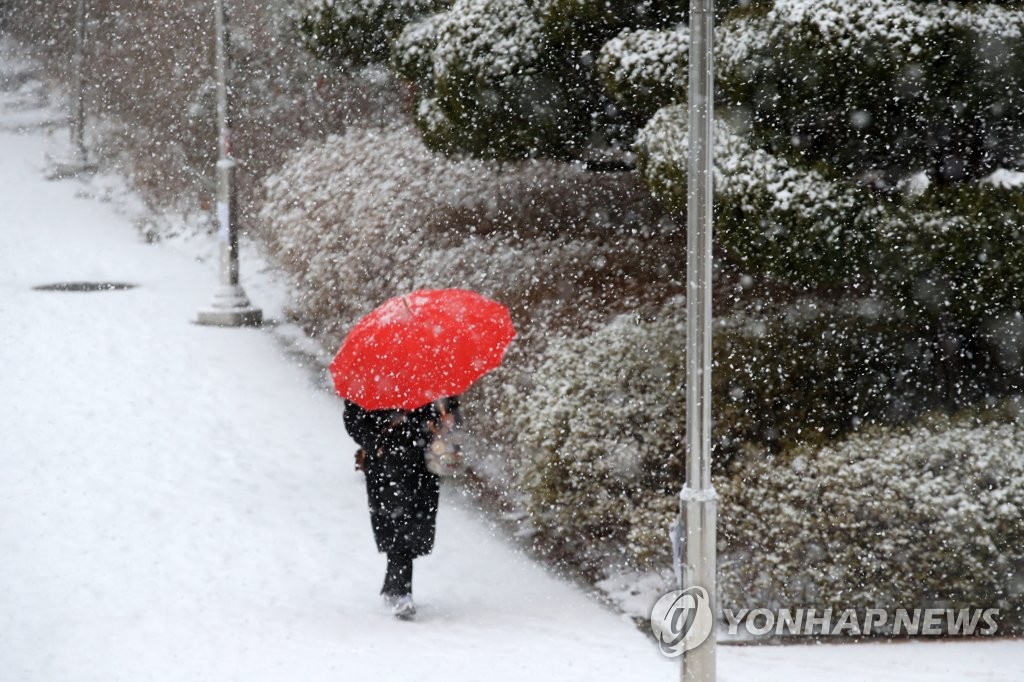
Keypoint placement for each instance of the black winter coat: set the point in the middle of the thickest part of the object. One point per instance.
(401, 492)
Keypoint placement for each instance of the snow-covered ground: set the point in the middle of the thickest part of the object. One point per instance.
(177, 502)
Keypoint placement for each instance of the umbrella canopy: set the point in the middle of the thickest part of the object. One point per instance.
(416, 348)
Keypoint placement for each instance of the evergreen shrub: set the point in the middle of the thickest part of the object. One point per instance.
(926, 516)
(956, 253)
(951, 254)
(604, 420)
(503, 79)
(880, 89)
(646, 69)
(354, 33)
(781, 220)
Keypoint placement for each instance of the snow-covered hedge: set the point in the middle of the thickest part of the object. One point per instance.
(786, 221)
(483, 84)
(603, 429)
(956, 252)
(508, 79)
(927, 516)
(882, 88)
(834, 106)
(412, 53)
(355, 32)
(374, 213)
(646, 69)
(603, 422)
(948, 251)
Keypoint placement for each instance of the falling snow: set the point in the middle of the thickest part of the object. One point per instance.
(869, 254)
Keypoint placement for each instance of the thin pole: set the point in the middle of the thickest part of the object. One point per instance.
(698, 500)
(230, 307)
(78, 125)
(227, 200)
(77, 163)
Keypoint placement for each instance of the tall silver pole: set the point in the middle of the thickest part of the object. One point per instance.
(698, 501)
(78, 161)
(78, 124)
(230, 306)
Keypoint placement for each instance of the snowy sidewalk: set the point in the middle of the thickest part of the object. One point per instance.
(178, 502)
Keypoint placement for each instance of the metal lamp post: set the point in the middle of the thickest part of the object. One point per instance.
(78, 124)
(78, 163)
(230, 306)
(698, 501)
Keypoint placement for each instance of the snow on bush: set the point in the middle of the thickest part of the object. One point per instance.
(376, 212)
(946, 251)
(955, 253)
(742, 45)
(505, 79)
(486, 40)
(412, 53)
(646, 69)
(927, 516)
(603, 427)
(783, 220)
(878, 90)
(484, 90)
(859, 23)
(377, 180)
(355, 32)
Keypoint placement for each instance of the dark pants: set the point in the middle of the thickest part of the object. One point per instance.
(398, 579)
(402, 497)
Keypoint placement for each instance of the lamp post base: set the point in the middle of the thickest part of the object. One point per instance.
(230, 308)
(62, 170)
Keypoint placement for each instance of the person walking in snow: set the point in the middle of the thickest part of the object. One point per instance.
(401, 491)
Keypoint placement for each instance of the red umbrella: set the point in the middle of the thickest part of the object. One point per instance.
(416, 348)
